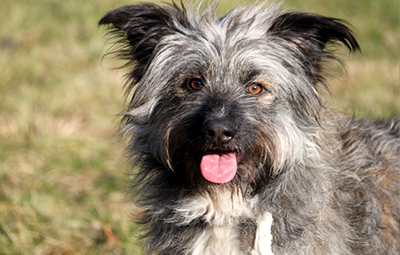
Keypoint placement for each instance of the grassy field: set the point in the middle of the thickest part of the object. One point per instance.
(61, 168)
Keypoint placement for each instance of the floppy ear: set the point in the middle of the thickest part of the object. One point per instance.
(139, 29)
(311, 33)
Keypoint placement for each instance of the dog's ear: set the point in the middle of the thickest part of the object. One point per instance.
(139, 29)
(311, 32)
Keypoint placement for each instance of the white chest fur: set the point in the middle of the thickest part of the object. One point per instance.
(223, 213)
(263, 243)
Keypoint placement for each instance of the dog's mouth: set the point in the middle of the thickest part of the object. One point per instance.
(219, 166)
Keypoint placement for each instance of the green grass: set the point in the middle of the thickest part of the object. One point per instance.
(61, 169)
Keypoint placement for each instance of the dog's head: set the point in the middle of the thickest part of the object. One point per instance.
(231, 98)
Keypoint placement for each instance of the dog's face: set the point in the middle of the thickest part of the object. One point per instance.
(215, 100)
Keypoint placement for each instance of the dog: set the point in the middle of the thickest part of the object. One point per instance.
(234, 150)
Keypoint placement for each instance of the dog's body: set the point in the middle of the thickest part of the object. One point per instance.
(237, 153)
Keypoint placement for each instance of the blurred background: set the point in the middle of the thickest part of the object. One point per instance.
(61, 168)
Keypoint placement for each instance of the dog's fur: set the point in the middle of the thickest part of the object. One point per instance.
(308, 181)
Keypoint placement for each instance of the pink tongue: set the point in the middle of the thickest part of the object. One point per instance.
(219, 168)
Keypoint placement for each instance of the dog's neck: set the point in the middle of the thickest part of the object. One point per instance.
(223, 212)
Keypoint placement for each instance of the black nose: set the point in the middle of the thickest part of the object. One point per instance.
(219, 131)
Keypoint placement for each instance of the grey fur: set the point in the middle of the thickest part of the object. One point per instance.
(331, 183)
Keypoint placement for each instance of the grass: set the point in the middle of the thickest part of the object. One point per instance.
(61, 169)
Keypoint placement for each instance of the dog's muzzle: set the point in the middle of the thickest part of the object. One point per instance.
(219, 165)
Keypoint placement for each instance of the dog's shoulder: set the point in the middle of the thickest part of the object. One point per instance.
(378, 139)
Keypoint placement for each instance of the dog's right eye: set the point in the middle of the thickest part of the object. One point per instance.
(194, 84)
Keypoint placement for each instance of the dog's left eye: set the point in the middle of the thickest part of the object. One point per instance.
(194, 84)
(255, 88)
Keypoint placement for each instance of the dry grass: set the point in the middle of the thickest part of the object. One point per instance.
(61, 170)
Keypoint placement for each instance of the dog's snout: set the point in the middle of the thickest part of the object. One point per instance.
(219, 131)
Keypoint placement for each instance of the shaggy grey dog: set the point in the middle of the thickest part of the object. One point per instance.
(235, 151)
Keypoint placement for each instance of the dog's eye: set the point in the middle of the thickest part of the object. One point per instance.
(194, 84)
(255, 88)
